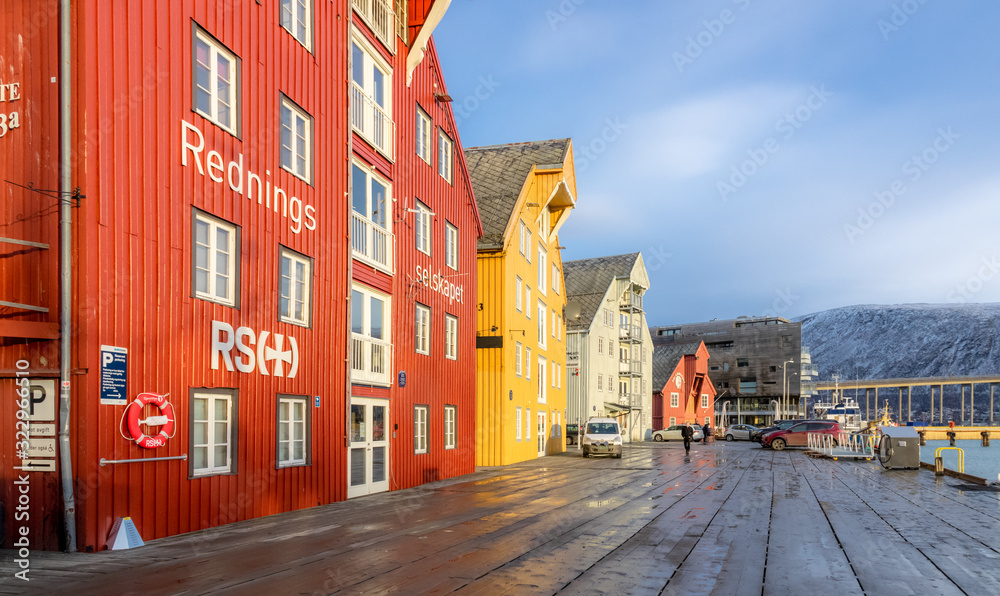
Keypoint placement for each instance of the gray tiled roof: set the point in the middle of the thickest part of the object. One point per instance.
(587, 281)
(498, 173)
(665, 359)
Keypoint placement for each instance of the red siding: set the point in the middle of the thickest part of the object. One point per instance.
(696, 382)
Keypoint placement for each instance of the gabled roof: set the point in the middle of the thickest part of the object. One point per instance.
(588, 280)
(665, 359)
(498, 174)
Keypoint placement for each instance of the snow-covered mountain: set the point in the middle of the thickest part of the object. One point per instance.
(906, 340)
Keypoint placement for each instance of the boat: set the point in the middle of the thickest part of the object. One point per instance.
(844, 410)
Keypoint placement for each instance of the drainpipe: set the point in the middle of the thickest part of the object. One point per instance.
(65, 275)
(350, 243)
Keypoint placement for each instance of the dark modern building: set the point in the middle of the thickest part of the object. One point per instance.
(758, 365)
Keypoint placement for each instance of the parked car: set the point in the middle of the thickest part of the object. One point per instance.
(673, 433)
(602, 436)
(572, 433)
(740, 432)
(778, 425)
(797, 434)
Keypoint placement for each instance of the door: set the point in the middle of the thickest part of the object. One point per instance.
(368, 457)
(797, 435)
(541, 434)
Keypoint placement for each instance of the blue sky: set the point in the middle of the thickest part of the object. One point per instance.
(774, 157)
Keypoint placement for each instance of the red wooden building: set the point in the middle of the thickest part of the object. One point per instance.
(682, 391)
(213, 260)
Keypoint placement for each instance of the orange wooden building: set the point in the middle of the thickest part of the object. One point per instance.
(682, 391)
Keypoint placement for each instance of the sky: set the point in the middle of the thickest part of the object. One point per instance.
(766, 158)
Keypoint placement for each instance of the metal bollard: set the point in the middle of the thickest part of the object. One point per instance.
(951, 438)
(986, 438)
(923, 439)
(939, 466)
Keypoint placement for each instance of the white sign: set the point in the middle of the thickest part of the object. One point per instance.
(41, 447)
(253, 351)
(37, 465)
(41, 429)
(42, 400)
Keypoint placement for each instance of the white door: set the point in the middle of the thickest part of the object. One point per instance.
(541, 434)
(368, 457)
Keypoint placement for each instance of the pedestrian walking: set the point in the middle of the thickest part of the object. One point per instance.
(707, 431)
(686, 432)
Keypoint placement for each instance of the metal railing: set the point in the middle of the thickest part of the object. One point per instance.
(370, 359)
(939, 461)
(371, 242)
(630, 333)
(371, 121)
(631, 300)
(842, 444)
(381, 18)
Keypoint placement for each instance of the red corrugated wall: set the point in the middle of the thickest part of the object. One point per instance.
(134, 258)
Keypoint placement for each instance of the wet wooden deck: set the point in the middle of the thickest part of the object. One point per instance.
(729, 519)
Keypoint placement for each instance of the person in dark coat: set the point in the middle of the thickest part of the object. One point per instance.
(707, 431)
(686, 432)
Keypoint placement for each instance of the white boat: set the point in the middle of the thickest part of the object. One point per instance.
(844, 410)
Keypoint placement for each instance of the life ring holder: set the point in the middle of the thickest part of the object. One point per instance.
(166, 419)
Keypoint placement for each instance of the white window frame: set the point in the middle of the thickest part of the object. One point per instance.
(299, 265)
(600, 382)
(297, 430)
(423, 135)
(543, 379)
(518, 289)
(211, 291)
(451, 337)
(555, 278)
(673, 421)
(451, 245)
(517, 359)
(298, 124)
(600, 345)
(675, 400)
(527, 244)
(517, 424)
(704, 400)
(372, 240)
(368, 117)
(707, 419)
(301, 30)
(366, 348)
(423, 228)
(420, 428)
(422, 329)
(527, 301)
(228, 438)
(450, 426)
(527, 363)
(446, 155)
(542, 326)
(217, 79)
(544, 224)
(542, 262)
(522, 235)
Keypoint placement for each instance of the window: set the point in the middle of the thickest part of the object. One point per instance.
(445, 149)
(527, 362)
(371, 237)
(293, 431)
(704, 400)
(527, 244)
(555, 278)
(371, 108)
(542, 268)
(517, 422)
(451, 246)
(422, 325)
(420, 429)
(370, 333)
(708, 419)
(296, 19)
(522, 236)
(450, 440)
(542, 310)
(673, 421)
(423, 135)
(609, 318)
(527, 301)
(545, 224)
(742, 362)
(296, 139)
(216, 262)
(216, 82)
(675, 400)
(213, 432)
(295, 288)
(517, 359)
(518, 290)
(543, 380)
(748, 384)
(600, 345)
(451, 337)
(600, 382)
(422, 223)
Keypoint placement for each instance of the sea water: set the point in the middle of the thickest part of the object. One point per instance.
(979, 461)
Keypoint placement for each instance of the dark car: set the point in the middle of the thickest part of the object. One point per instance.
(572, 434)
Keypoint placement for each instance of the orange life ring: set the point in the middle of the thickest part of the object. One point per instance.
(166, 419)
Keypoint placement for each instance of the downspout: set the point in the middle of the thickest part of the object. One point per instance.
(350, 245)
(65, 275)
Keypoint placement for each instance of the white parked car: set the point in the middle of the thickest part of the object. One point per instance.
(602, 436)
(673, 433)
(740, 432)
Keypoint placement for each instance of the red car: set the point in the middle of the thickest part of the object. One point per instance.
(797, 435)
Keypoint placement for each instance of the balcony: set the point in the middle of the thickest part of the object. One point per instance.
(630, 367)
(630, 301)
(380, 18)
(370, 360)
(371, 122)
(630, 333)
(371, 243)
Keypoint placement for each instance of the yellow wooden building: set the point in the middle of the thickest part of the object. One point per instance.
(525, 192)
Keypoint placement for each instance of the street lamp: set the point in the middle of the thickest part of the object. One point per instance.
(784, 384)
